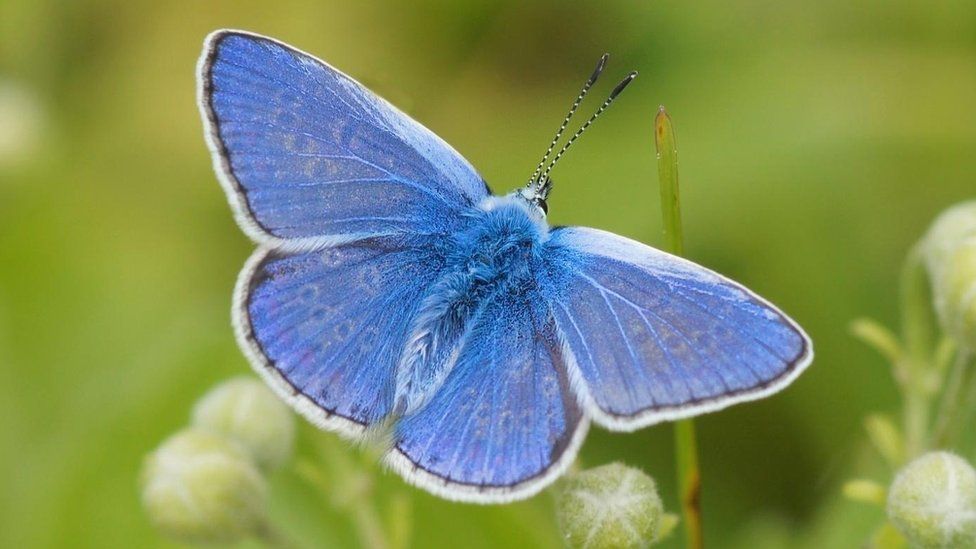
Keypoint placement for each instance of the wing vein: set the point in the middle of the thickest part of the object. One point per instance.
(654, 332)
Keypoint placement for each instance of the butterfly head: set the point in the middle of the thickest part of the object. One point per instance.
(540, 184)
(536, 196)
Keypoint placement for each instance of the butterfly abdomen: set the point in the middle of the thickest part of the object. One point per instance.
(495, 256)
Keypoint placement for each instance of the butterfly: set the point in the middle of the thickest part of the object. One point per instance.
(392, 287)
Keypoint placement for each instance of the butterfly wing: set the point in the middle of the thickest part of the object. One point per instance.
(325, 328)
(346, 195)
(309, 157)
(505, 423)
(651, 337)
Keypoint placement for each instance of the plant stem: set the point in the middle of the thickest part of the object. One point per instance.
(686, 447)
(955, 397)
(349, 489)
(368, 523)
(914, 373)
(951, 396)
(689, 481)
(962, 437)
(667, 175)
(399, 514)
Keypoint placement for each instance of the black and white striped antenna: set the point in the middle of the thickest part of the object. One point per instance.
(539, 184)
(572, 110)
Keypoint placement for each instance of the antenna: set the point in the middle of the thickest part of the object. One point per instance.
(613, 95)
(572, 110)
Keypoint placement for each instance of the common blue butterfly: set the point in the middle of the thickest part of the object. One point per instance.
(391, 286)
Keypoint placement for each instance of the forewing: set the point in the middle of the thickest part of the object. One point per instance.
(505, 423)
(308, 156)
(326, 328)
(652, 337)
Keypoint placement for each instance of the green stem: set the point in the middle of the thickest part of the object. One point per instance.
(368, 523)
(400, 513)
(955, 401)
(686, 446)
(914, 372)
(350, 491)
(962, 437)
(689, 481)
(952, 397)
(667, 174)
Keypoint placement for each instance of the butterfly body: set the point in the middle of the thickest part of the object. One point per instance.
(496, 251)
(390, 287)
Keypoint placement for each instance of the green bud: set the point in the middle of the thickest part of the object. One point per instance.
(247, 411)
(932, 501)
(609, 506)
(667, 526)
(886, 438)
(950, 257)
(200, 487)
(866, 491)
(878, 337)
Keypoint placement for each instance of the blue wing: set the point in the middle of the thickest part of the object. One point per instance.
(309, 156)
(651, 337)
(505, 423)
(325, 328)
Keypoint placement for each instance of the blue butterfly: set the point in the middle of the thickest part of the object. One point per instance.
(392, 287)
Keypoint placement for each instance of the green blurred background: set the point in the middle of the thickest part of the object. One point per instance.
(817, 140)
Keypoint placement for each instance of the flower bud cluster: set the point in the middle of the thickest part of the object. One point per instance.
(206, 483)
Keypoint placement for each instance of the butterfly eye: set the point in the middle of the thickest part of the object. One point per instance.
(543, 206)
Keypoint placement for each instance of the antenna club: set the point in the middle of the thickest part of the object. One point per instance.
(599, 68)
(623, 84)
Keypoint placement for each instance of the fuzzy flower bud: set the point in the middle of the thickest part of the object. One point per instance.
(932, 501)
(609, 506)
(950, 257)
(245, 410)
(200, 487)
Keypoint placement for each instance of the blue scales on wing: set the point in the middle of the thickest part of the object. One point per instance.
(332, 323)
(505, 420)
(652, 337)
(307, 153)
